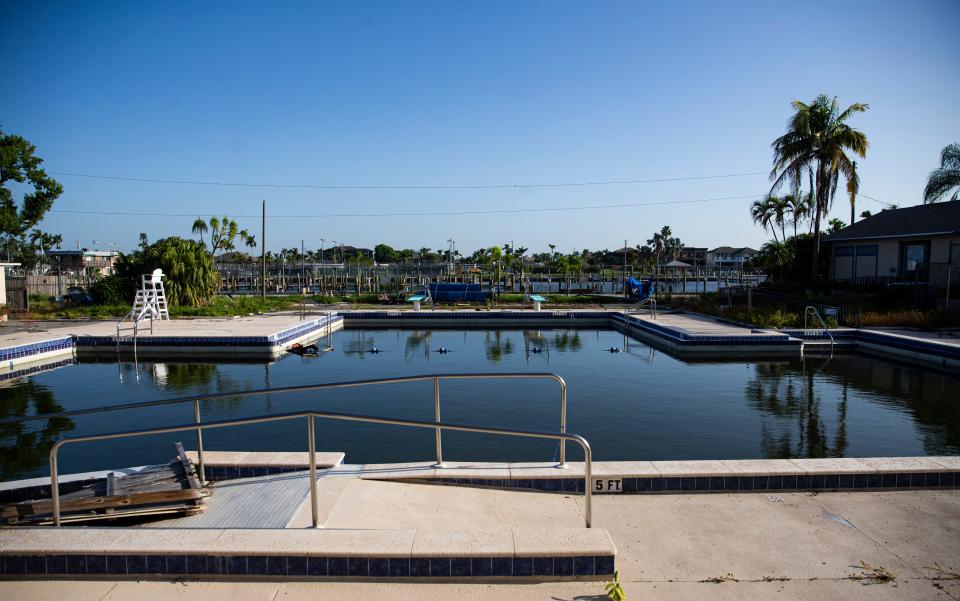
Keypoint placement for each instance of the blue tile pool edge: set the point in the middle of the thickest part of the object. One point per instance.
(788, 340)
(823, 482)
(13, 566)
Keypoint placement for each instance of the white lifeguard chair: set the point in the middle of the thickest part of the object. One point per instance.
(151, 297)
(150, 303)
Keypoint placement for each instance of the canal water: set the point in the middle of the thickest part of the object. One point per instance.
(635, 404)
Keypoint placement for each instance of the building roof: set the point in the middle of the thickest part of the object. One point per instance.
(938, 219)
(85, 252)
(730, 249)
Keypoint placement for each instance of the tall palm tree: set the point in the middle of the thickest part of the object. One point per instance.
(764, 214)
(946, 178)
(816, 144)
(659, 242)
(200, 228)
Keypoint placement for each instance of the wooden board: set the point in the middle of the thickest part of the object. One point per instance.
(162, 488)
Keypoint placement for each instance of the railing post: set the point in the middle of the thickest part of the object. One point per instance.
(587, 484)
(54, 486)
(563, 423)
(196, 419)
(436, 418)
(312, 448)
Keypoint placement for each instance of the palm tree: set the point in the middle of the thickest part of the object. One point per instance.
(798, 207)
(659, 242)
(816, 144)
(946, 178)
(200, 228)
(764, 213)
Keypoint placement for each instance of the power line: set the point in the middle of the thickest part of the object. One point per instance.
(417, 187)
(887, 204)
(426, 213)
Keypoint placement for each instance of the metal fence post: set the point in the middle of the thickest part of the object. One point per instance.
(196, 418)
(436, 418)
(312, 448)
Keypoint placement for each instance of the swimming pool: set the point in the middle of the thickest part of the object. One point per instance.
(640, 403)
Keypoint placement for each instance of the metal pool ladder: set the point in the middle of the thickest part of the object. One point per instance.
(637, 306)
(813, 310)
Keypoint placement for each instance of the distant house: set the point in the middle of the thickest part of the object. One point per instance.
(82, 261)
(915, 244)
(728, 257)
(695, 256)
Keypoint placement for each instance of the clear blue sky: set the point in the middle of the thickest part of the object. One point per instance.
(457, 93)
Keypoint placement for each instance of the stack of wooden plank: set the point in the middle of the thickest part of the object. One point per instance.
(157, 490)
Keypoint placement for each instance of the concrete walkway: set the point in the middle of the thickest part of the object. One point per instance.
(870, 545)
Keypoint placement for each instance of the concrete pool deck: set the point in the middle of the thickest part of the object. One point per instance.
(257, 336)
(746, 546)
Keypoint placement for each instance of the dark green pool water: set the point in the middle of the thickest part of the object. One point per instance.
(636, 404)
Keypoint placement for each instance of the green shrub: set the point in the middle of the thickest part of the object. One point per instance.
(111, 290)
(190, 277)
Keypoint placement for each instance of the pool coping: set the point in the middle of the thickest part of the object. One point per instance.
(723, 476)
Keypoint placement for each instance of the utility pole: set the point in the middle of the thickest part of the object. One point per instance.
(625, 269)
(853, 202)
(303, 268)
(263, 251)
(323, 268)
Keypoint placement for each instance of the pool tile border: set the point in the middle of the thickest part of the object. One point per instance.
(302, 566)
(678, 339)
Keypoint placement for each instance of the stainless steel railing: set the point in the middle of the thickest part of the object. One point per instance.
(436, 378)
(813, 310)
(311, 446)
(636, 307)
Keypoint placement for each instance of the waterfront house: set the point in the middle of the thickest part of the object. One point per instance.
(696, 256)
(82, 260)
(728, 257)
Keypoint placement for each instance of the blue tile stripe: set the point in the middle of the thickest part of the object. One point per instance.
(787, 339)
(10, 375)
(735, 483)
(199, 566)
(36, 348)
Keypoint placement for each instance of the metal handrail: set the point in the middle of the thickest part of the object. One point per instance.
(811, 309)
(311, 387)
(311, 446)
(636, 306)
